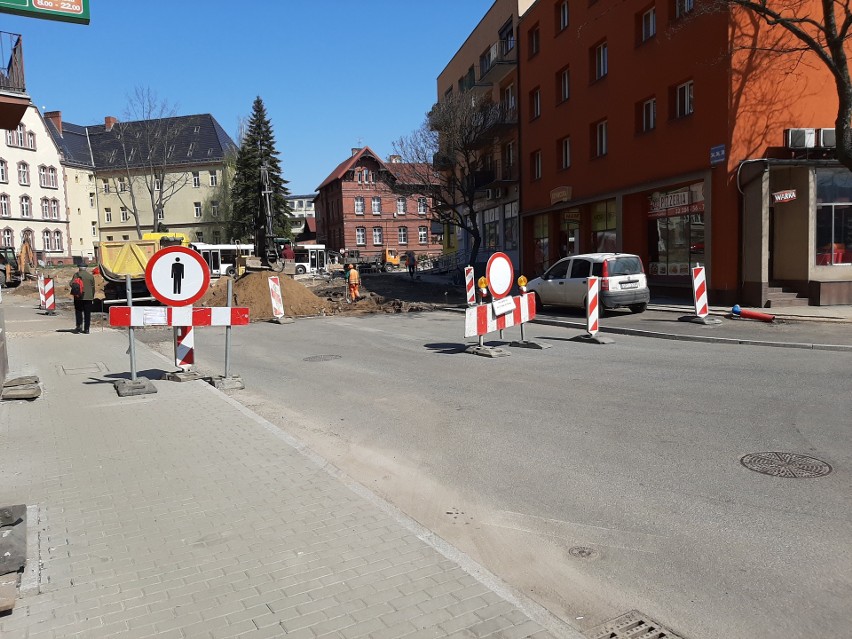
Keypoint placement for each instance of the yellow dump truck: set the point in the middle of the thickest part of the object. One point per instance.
(117, 260)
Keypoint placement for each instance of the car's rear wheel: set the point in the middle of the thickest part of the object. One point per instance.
(638, 308)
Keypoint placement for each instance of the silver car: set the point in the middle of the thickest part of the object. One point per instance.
(622, 282)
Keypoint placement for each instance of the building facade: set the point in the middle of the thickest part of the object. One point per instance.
(302, 205)
(357, 208)
(33, 204)
(189, 175)
(487, 63)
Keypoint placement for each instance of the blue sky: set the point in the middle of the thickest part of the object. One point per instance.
(333, 74)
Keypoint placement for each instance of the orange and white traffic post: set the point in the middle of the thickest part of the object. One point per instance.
(593, 313)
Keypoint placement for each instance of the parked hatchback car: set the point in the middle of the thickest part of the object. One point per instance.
(622, 281)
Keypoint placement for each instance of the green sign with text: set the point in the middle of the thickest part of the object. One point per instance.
(63, 10)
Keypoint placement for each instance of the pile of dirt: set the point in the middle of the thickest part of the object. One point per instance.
(252, 291)
(61, 277)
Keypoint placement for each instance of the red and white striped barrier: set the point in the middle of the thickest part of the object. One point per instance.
(593, 307)
(699, 291)
(275, 296)
(184, 347)
(469, 287)
(49, 295)
(481, 319)
(41, 291)
(125, 316)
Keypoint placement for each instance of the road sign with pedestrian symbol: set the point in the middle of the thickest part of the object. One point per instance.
(177, 276)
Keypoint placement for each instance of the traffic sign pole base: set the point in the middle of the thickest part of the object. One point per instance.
(282, 320)
(486, 351)
(182, 376)
(706, 321)
(233, 382)
(129, 388)
(528, 344)
(595, 339)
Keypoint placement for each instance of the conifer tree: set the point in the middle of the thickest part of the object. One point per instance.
(257, 152)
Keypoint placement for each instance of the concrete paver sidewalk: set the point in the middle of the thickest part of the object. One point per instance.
(183, 514)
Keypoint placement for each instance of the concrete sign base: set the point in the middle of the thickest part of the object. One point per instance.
(232, 382)
(528, 344)
(182, 376)
(129, 388)
(487, 351)
(594, 339)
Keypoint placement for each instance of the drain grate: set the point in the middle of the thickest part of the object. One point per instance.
(789, 465)
(321, 358)
(633, 625)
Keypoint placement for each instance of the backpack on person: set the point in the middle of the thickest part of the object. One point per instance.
(77, 286)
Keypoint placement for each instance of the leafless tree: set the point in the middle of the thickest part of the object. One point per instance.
(445, 162)
(810, 26)
(143, 153)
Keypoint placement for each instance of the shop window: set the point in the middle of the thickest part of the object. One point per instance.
(491, 228)
(834, 234)
(675, 243)
(510, 226)
(541, 243)
(604, 226)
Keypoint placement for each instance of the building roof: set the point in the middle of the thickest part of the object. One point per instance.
(404, 172)
(198, 139)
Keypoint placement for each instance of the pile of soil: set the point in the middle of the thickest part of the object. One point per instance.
(61, 277)
(252, 291)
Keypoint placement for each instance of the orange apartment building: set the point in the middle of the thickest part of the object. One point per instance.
(357, 209)
(487, 62)
(641, 132)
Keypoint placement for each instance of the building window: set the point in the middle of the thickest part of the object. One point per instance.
(45, 208)
(535, 40)
(359, 205)
(105, 186)
(400, 206)
(161, 214)
(157, 184)
(26, 210)
(682, 7)
(422, 235)
(360, 235)
(535, 103)
(217, 237)
(562, 16)
(601, 61)
(199, 236)
(421, 206)
(510, 225)
(57, 240)
(214, 178)
(647, 120)
(402, 234)
(648, 22)
(19, 135)
(564, 84)
(376, 205)
(94, 229)
(4, 171)
(45, 238)
(683, 99)
(196, 180)
(122, 186)
(491, 228)
(125, 216)
(535, 165)
(196, 206)
(565, 150)
(601, 142)
(31, 140)
(23, 173)
(54, 209)
(4, 205)
(214, 208)
(507, 36)
(91, 200)
(108, 216)
(8, 237)
(377, 235)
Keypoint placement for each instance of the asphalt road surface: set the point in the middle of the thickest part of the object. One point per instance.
(596, 479)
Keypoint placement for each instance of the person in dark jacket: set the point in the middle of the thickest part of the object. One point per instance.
(83, 304)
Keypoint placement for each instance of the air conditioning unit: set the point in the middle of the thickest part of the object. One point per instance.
(800, 138)
(827, 138)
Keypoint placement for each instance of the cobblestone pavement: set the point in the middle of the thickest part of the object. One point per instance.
(183, 514)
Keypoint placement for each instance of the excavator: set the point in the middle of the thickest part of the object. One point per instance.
(14, 268)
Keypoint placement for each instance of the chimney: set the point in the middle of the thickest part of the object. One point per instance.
(109, 121)
(395, 159)
(355, 151)
(56, 118)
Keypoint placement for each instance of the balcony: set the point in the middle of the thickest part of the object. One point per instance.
(13, 91)
(505, 175)
(498, 61)
(504, 120)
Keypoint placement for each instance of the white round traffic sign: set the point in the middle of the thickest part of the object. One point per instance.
(500, 275)
(177, 276)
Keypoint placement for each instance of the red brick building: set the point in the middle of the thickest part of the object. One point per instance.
(357, 208)
(650, 131)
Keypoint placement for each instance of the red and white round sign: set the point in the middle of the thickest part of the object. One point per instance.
(177, 276)
(500, 275)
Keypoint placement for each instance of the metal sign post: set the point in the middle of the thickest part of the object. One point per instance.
(132, 347)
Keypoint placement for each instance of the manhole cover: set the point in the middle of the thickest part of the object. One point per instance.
(633, 625)
(786, 465)
(582, 552)
(321, 358)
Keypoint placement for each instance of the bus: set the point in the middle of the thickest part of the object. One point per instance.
(222, 258)
(310, 258)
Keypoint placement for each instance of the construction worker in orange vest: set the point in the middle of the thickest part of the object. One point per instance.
(353, 279)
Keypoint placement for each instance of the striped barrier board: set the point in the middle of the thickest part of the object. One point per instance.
(593, 307)
(468, 284)
(699, 291)
(482, 319)
(184, 347)
(125, 316)
(49, 294)
(41, 291)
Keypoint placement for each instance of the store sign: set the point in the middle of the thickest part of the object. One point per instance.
(784, 196)
(62, 10)
(663, 201)
(560, 194)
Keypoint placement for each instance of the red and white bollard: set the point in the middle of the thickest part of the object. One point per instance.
(184, 348)
(49, 296)
(468, 285)
(593, 313)
(699, 292)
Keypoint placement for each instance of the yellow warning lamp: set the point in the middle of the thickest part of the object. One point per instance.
(482, 283)
(522, 282)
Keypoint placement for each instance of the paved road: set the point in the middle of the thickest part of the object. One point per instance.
(630, 450)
